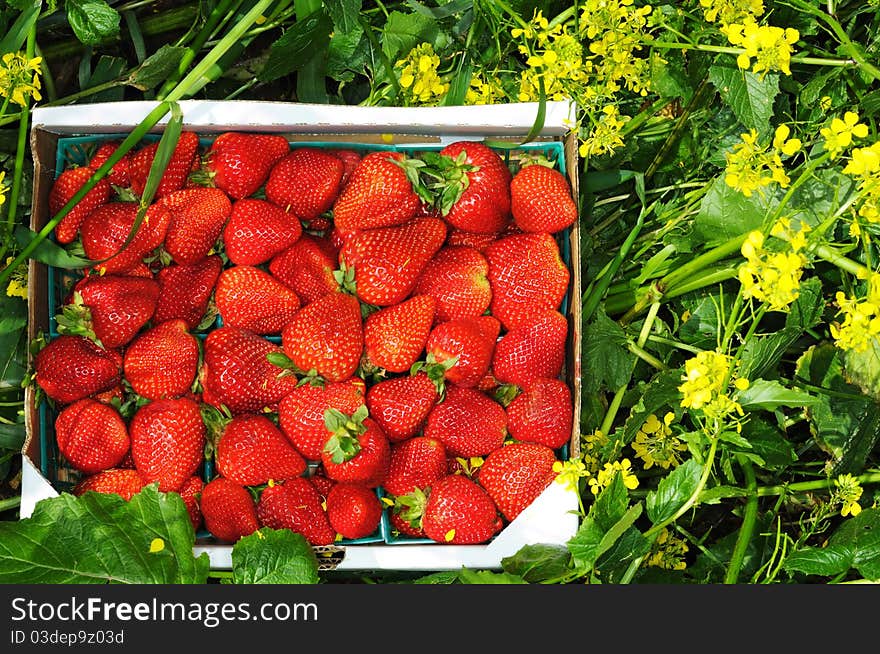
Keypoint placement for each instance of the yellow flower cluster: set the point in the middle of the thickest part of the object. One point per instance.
(705, 385)
(554, 57)
(667, 552)
(606, 475)
(752, 166)
(569, 473)
(418, 75)
(769, 46)
(774, 276)
(483, 90)
(592, 450)
(726, 12)
(864, 166)
(861, 318)
(847, 491)
(605, 137)
(18, 281)
(840, 133)
(20, 78)
(655, 444)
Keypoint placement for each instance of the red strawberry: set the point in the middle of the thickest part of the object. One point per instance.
(296, 505)
(111, 309)
(339, 237)
(179, 166)
(534, 350)
(190, 493)
(516, 474)
(459, 512)
(121, 481)
(305, 182)
(118, 174)
(307, 267)
(228, 510)
(387, 261)
(198, 216)
(322, 483)
(240, 162)
(251, 451)
(91, 435)
(476, 240)
(236, 373)
(402, 526)
(353, 510)
(481, 181)
(542, 414)
(105, 230)
(541, 200)
(394, 337)
(301, 412)
(350, 159)
(379, 193)
(358, 451)
(64, 188)
(258, 230)
(326, 336)
(415, 463)
(163, 361)
(70, 368)
(167, 441)
(470, 342)
(185, 290)
(527, 274)
(400, 405)
(250, 298)
(457, 279)
(468, 422)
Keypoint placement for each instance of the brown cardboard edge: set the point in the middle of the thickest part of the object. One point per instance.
(573, 363)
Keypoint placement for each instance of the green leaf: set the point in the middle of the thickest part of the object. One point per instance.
(861, 536)
(863, 369)
(769, 443)
(101, 538)
(611, 504)
(346, 55)
(770, 395)
(49, 252)
(467, 576)
(92, 21)
(13, 358)
(437, 578)
(703, 320)
(344, 14)
(725, 213)
(659, 393)
(595, 181)
(106, 70)
(584, 545)
(307, 38)
(16, 34)
(824, 561)
(606, 359)
(540, 562)
(274, 556)
(673, 491)
(750, 96)
(445, 10)
(157, 68)
(12, 436)
(403, 32)
(618, 529)
(630, 546)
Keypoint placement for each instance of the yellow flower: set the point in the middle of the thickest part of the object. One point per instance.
(667, 552)
(3, 187)
(726, 12)
(772, 277)
(484, 91)
(751, 166)
(605, 136)
(769, 46)
(20, 78)
(861, 319)
(419, 77)
(840, 133)
(704, 378)
(825, 102)
(592, 450)
(18, 281)
(569, 473)
(655, 444)
(606, 475)
(847, 491)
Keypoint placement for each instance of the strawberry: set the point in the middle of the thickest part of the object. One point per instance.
(296, 505)
(401, 525)
(111, 309)
(185, 290)
(357, 451)
(251, 450)
(228, 510)
(69, 368)
(339, 237)
(176, 172)
(198, 216)
(470, 342)
(163, 361)
(415, 463)
(457, 279)
(479, 200)
(326, 336)
(322, 483)
(258, 230)
(167, 441)
(400, 405)
(534, 350)
(468, 422)
(307, 267)
(350, 159)
(64, 188)
(476, 240)
(190, 493)
(526, 274)
(394, 337)
(121, 481)
(301, 412)
(387, 261)
(514, 475)
(250, 298)
(236, 373)
(118, 175)
(305, 182)
(239, 163)
(353, 510)
(92, 436)
(540, 200)
(379, 193)
(543, 414)
(459, 512)
(105, 230)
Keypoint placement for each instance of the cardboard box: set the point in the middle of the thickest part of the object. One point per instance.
(552, 518)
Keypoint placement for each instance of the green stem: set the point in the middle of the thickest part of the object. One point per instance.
(10, 503)
(646, 356)
(698, 263)
(750, 516)
(220, 574)
(800, 59)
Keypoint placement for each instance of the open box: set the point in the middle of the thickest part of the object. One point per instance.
(57, 132)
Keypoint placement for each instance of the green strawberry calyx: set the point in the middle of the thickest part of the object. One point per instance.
(436, 371)
(411, 507)
(75, 319)
(215, 420)
(343, 444)
(344, 276)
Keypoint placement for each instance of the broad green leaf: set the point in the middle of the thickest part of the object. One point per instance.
(823, 561)
(725, 213)
(403, 32)
(305, 39)
(770, 395)
(100, 538)
(49, 252)
(700, 325)
(157, 68)
(750, 96)
(861, 534)
(346, 55)
(658, 396)
(806, 311)
(595, 181)
(769, 443)
(668, 76)
(13, 341)
(460, 83)
(345, 14)
(673, 491)
(274, 556)
(863, 369)
(13, 313)
(467, 576)
(438, 578)
(15, 36)
(93, 21)
(606, 360)
(630, 546)
(717, 493)
(618, 529)
(12, 436)
(446, 9)
(827, 191)
(107, 69)
(584, 545)
(540, 562)
(611, 504)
